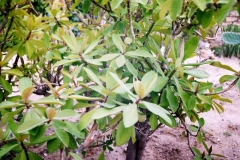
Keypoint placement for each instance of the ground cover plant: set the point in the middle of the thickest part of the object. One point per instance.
(111, 73)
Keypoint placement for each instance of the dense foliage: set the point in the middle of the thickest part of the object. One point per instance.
(111, 72)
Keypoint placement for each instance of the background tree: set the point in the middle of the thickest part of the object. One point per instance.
(112, 72)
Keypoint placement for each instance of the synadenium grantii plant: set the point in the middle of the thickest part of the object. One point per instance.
(111, 72)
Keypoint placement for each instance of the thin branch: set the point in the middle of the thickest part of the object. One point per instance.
(130, 18)
(109, 11)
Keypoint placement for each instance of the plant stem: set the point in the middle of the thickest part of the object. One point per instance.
(130, 19)
(25, 151)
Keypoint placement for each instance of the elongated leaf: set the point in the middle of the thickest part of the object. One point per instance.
(122, 84)
(24, 83)
(197, 73)
(104, 112)
(226, 78)
(30, 124)
(115, 4)
(175, 8)
(222, 13)
(164, 9)
(117, 40)
(120, 61)
(68, 40)
(86, 119)
(108, 57)
(160, 83)
(149, 82)
(205, 99)
(190, 47)
(153, 120)
(65, 62)
(75, 156)
(200, 3)
(130, 115)
(238, 84)
(85, 98)
(73, 129)
(66, 114)
(7, 116)
(48, 100)
(86, 6)
(62, 135)
(139, 89)
(8, 104)
(172, 99)
(91, 46)
(34, 156)
(158, 110)
(93, 77)
(139, 53)
(7, 148)
(220, 65)
(13, 72)
(131, 68)
(191, 103)
(6, 85)
(123, 134)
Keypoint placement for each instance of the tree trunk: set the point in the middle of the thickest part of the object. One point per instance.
(135, 151)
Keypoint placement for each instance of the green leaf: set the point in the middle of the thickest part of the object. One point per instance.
(9, 115)
(143, 2)
(220, 65)
(139, 53)
(205, 99)
(153, 120)
(46, 40)
(75, 156)
(175, 8)
(30, 124)
(160, 83)
(131, 68)
(201, 122)
(73, 129)
(115, 4)
(104, 112)
(13, 72)
(29, 48)
(164, 9)
(101, 156)
(117, 39)
(8, 104)
(172, 99)
(86, 119)
(91, 46)
(158, 110)
(6, 85)
(238, 84)
(78, 97)
(68, 40)
(222, 13)
(24, 83)
(201, 4)
(120, 61)
(226, 78)
(197, 73)
(191, 103)
(34, 156)
(190, 47)
(66, 114)
(130, 115)
(7, 148)
(206, 18)
(108, 57)
(149, 82)
(62, 135)
(123, 134)
(65, 62)
(184, 96)
(122, 84)
(48, 100)
(86, 6)
(53, 145)
(93, 77)
(231, 38)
